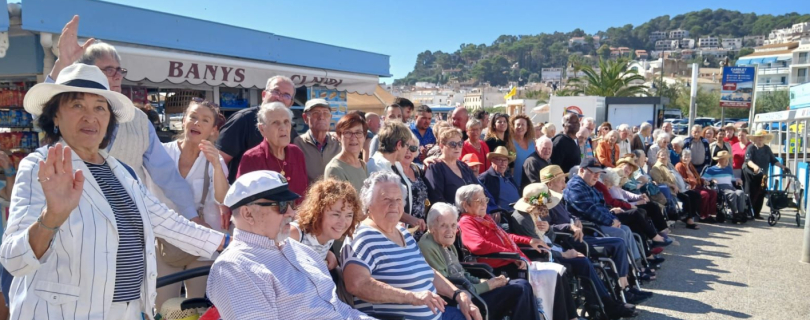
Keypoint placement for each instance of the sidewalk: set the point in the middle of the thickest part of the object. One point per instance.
(725, 271)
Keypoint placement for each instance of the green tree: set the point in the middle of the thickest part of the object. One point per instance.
(603, 52)
(770, 101)
(614, 79)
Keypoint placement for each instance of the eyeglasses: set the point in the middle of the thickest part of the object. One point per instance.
(111, 71)
(357, 134)
(283, 206)
(455, 144)
(278, 93)
(483, 200)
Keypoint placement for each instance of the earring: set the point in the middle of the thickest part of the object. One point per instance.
(55, 129)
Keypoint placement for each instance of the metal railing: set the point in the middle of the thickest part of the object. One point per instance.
(772, 86)
(774, 70)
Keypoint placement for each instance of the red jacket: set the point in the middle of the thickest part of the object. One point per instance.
(482, 239)
(609, 200)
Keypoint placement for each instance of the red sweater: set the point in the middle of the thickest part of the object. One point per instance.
(482, 156)
(609, 200)
(294, 166)
(481, 238)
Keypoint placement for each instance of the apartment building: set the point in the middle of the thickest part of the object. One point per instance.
(678, 34)
(732, 43)
(774, 65)
(709, 42)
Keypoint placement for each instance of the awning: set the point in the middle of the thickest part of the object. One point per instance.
(743, 62)
(178, 67)
(768, 59)
(755, 61)
(541, 109)
(784, 58)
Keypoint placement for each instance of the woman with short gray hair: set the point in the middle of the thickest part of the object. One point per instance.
(275, 152)
(380, 250)
(499, 293)
(661, 142)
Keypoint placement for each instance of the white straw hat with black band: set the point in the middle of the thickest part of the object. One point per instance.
(79, 77)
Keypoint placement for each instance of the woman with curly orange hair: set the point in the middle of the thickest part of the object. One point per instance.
(330, 212)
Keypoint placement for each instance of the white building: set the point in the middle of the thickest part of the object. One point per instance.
(732, 43)
(678, 34)
(576, 40)
(709, 42)
(758, 40)
(658, 35)
(800, 66)
(485, 97)
(687, 43)
(664, 45)
(774, 63)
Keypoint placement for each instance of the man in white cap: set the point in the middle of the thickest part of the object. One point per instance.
(318, 146)
(262, 275)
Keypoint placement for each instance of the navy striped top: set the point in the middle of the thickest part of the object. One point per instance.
(130, 264)
(400, 267)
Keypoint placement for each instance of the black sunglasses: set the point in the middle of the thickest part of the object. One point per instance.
(283, 206)
(413, 148)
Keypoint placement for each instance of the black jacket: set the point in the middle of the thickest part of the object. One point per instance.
(566, 153)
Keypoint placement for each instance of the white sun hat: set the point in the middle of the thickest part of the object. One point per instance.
(79, 77)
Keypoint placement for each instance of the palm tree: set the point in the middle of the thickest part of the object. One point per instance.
(612, 80)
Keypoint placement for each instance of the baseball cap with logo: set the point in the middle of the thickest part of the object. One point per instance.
(262, 184)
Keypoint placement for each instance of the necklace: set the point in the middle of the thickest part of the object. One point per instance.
(282, 165)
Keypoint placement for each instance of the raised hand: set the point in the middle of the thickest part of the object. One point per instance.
(211, 153)
(69, 49)
(62, 187)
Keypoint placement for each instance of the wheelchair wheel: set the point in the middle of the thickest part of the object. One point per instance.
(798, 220)
(772, 219)
(594, 312)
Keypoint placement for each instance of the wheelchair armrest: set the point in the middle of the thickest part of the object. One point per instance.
(195, 303)
(480, 270)
(499, 256)
(183, 276)
(385, 316)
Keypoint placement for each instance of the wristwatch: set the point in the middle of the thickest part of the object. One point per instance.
(456, 293)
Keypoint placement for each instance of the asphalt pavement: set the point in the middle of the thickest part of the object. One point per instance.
(725, 271)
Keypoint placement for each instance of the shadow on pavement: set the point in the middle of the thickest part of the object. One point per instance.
(686, 305)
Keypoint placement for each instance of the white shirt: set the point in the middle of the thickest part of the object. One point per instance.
(75, 277)
(254, 278)
(195, 179)
(312, 242)
(624, 147)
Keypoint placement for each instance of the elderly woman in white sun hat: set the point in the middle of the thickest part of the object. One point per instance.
(81, 233)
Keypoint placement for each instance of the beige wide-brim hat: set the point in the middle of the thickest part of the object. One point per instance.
(501, 151)
(722, 155)
(551, 172)
(536, 194)
(767, 137)
(79, 77)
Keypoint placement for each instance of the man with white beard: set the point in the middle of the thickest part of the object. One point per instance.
(261, 275)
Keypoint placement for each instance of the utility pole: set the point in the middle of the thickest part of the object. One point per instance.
(693, 96)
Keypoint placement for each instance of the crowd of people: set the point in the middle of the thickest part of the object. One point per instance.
(377, 218)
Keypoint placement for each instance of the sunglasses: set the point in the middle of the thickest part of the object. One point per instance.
(283, 206)
(413, 148)
(454, 144)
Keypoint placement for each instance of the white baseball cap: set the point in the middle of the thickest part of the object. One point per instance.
(262, 184)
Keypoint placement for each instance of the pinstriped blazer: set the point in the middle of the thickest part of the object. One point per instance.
(75, 278)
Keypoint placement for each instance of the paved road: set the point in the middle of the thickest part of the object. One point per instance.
(726, 271)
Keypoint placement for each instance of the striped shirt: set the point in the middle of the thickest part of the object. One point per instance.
(400, 267)
(130, 264)
(724, 176)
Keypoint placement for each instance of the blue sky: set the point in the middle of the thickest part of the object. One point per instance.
(403, 29)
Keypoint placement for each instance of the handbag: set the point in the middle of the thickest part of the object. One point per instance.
(172, 255)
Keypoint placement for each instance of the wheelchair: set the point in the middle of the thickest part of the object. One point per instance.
(203, 309)
(724, 212)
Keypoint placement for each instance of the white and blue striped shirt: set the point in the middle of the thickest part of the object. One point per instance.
(130, 264)
(400, 267)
